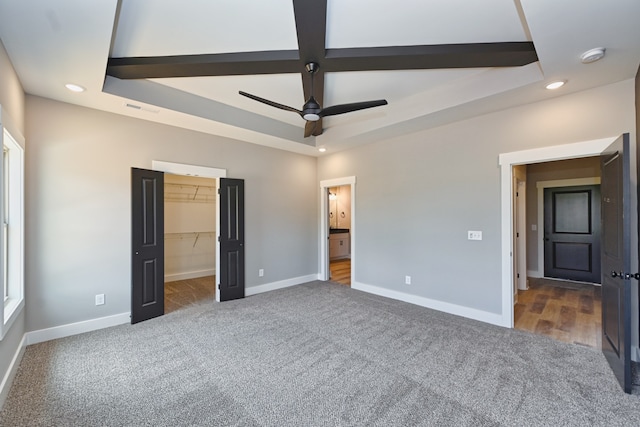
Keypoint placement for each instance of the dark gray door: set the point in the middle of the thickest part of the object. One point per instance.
(147, 244)
(572, 233)
(616, 260)
(232, 273)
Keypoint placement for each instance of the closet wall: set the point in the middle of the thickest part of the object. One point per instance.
(189, 227)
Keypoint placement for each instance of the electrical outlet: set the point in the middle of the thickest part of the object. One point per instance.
(407, 280)
(475, 235)
(261, 272)
(100, 299)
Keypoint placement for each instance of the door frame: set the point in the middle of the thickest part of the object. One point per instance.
(520, 239)
(506, 161)
(203, 172)
(324, 224)
(541, 185)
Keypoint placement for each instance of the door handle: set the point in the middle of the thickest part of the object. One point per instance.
(627, 276)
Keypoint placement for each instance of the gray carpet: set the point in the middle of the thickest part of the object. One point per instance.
(317, 354)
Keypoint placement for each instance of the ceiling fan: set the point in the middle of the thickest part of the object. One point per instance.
(311, 111)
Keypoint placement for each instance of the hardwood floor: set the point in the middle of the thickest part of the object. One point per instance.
(341, 271)
(183, 293)
(567, 311)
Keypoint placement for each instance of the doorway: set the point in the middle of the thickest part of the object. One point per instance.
(343, 241)
(507, 161)
(148, 232)
(340, 234)
(189, 240)
(560, 299)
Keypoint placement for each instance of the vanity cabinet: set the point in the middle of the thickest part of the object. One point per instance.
(339, 245)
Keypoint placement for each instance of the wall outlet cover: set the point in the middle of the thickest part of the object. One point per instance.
(474, 235)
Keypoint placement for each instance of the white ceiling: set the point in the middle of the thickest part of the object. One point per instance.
(51, 43)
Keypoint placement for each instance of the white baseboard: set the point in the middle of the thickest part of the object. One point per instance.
(253, 290)
(458, 310)
(11, 372)
(534, 273)
(189, 275)
(76, 328)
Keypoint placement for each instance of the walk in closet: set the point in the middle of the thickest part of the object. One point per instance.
(190, 227)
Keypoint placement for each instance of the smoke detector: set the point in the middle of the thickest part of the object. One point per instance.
(592, 55)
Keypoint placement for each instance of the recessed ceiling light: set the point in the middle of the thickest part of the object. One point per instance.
(555, 85)
(322, 150)
(592, 55)
(74, 87)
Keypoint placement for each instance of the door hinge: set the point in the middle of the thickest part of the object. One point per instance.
(518, 275)
(517, 234)
(218, 238)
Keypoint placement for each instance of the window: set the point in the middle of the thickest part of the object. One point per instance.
(12, 231)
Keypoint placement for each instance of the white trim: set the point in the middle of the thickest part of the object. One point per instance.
(541, 185)
(458, 310)
(62, 331)
(189, 275)
(323, 268)
(506, 162)
(5, 386)
(254, 290)
(189, 170)
(533, 273)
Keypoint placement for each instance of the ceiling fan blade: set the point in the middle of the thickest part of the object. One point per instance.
(347, 108)
(309, 128)
(271, 103)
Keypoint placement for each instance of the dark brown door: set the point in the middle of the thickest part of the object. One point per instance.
(616, 260)
(572, 233)
(232, 273)
(147, 248)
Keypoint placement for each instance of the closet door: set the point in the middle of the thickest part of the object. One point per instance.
(232, 273)
(147, 244)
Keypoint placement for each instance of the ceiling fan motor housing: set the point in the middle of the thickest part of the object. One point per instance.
(311, 110)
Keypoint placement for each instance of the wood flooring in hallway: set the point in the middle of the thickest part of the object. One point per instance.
(341, 271)
(566, 311)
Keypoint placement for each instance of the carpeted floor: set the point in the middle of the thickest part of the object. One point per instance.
(318, 354)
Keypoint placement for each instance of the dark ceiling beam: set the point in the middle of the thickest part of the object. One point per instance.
(471, 55)
(311, 29)
(224, 64)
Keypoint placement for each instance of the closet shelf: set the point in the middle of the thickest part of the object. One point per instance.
(196, 235)
(189, 193)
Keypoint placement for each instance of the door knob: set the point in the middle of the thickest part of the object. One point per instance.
(614, 274)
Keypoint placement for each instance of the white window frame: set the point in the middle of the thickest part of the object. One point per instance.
(12, 262)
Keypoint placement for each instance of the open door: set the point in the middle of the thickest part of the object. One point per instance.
(232, 274)
(616, 259)
(147, 244)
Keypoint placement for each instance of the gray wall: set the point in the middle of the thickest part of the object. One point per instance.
(78, 203)
(12, 101)
(587, 167)
(416, 196)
